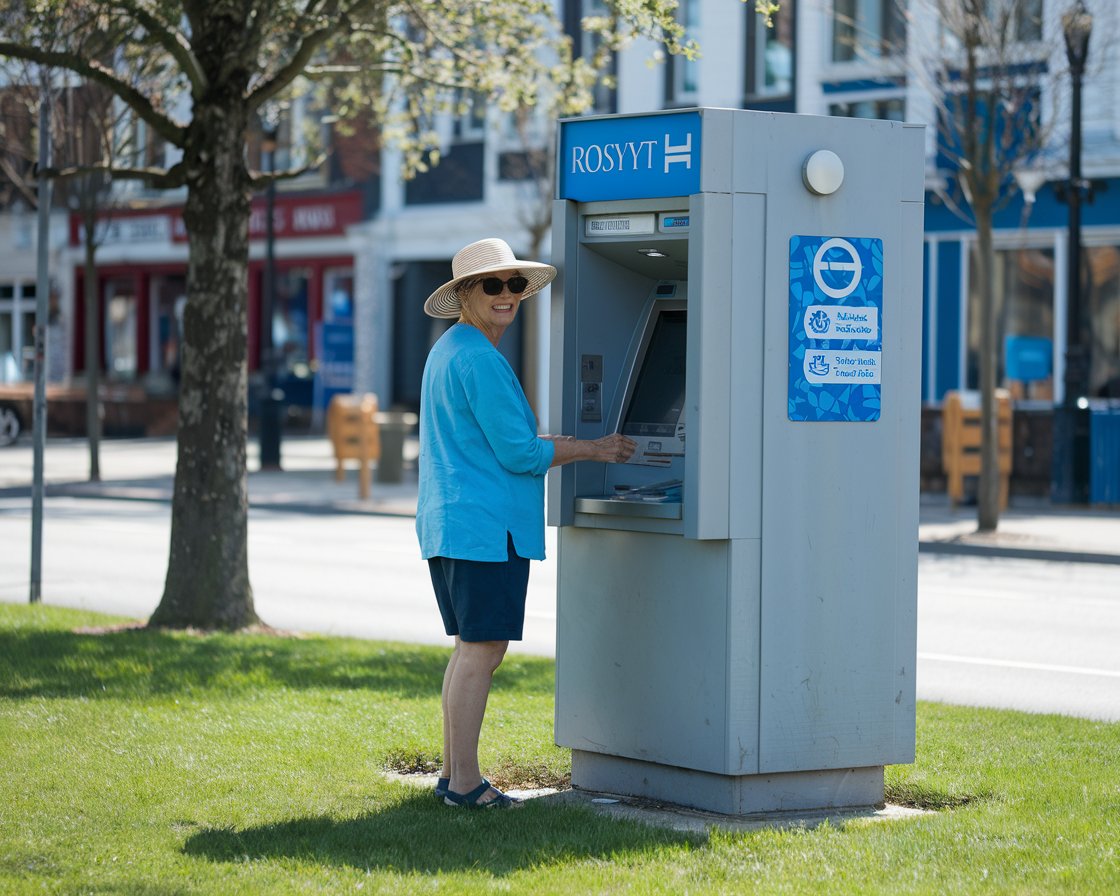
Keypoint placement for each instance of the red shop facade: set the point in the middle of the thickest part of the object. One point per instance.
(141, 286)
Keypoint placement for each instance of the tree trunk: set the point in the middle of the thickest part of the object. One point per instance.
(92, 351)
(988, 498)
(207, 582)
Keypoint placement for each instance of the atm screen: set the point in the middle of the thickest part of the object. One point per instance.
(658, 398)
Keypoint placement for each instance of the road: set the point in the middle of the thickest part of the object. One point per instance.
(1026, 634)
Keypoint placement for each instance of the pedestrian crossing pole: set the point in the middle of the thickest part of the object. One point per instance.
(42, 290)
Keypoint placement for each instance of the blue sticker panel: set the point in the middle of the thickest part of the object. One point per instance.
(835, 328)
(630, 157)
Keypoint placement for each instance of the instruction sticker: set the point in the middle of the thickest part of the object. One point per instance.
(836, 328)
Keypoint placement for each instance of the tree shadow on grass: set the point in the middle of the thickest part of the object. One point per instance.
(139, 663)
(419, 835)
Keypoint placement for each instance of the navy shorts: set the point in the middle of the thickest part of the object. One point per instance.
(480, 600)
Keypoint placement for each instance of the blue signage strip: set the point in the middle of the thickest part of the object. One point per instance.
(630, 157)
(835, 328)
(335, 350)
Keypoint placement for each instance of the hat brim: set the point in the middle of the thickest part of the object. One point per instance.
(444, 302)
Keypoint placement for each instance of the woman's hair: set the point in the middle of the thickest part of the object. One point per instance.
(463, 291)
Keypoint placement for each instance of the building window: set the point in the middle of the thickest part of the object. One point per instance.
(891, 108)
(1025, 16)
(867, 29)
(338, 287)
(120, 328)
(1024, 296)
(770, 53)
(168, 297)
(457, 178)
(11, 342)
(683, 75)
(1101, 286)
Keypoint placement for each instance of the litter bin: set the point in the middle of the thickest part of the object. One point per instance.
(1104, 478)
(271, 425)
(395, 426)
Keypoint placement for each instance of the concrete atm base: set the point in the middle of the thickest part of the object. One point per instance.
(727, 794)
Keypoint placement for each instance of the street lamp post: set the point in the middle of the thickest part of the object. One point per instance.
(1071, 462)
(270, 422)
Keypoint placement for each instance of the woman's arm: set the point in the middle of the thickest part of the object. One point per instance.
(614, 449)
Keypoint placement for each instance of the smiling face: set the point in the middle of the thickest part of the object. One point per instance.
(491, 314)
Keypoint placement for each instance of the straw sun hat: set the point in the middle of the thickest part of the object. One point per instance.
(482, 259)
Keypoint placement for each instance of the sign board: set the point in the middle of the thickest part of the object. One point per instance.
(335, 351)
(1028, 358)
(835, 328)
(630, 157)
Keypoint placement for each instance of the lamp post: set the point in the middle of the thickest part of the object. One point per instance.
(270, 421)
(1071, 462)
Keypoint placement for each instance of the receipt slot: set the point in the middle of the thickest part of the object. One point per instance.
(739, 292)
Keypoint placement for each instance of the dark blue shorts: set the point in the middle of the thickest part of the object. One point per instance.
(479, 600)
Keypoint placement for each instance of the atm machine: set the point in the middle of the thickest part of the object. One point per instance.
(739, 292)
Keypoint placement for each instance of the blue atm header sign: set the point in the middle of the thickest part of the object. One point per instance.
(630, 157)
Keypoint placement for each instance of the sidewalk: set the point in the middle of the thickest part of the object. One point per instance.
(143, 469)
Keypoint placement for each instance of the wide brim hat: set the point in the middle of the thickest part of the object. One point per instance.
(482, 259)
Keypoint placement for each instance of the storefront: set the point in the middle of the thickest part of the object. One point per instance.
(1031, 259)
(142, 285)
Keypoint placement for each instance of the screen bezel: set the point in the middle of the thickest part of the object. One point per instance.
(663, 449)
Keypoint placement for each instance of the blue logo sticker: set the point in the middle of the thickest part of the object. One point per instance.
(630, 157)
(835, 328)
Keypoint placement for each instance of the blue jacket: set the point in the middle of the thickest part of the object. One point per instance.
(482, 463)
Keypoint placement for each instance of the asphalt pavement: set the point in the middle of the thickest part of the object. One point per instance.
(143, 470)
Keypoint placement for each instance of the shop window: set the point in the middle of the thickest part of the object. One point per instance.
(885, 108)
(17, 331)
(290, 318)
(120, 329)
(1024, 297)
(1101, 284)
(770, 54)
(338, 287)
(867, 29)
(1024, 289)
(168, 298)
(9, 357)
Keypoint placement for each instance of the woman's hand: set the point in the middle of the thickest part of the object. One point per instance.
(612, 449)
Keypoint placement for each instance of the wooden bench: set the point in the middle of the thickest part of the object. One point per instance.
(355, 435)
(960, 441)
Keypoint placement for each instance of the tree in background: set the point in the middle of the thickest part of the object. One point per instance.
(985, 69)
(220, 62)
(981, 63)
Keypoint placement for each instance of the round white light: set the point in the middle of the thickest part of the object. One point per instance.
(823, 172)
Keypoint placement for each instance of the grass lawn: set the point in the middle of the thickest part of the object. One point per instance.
(156, 763)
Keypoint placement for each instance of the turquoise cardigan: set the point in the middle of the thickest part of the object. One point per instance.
(482, 463)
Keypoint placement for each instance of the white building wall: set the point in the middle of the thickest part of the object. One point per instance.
(401, 233)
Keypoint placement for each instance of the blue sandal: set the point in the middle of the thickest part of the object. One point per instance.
(441, 787)
(471, 800)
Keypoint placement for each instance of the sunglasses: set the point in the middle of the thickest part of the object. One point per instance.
(492, 286)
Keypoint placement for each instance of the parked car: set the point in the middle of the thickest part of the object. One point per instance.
(11, 424)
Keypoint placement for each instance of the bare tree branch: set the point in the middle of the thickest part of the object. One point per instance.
(260, 179)
(172, 41)
(163, 179)
(306, 50)
(95, 71)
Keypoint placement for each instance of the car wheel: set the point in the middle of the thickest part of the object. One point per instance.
(9, 425)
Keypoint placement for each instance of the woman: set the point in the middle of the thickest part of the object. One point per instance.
(480, 514)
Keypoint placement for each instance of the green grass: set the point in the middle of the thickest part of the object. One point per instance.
(152, 762)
